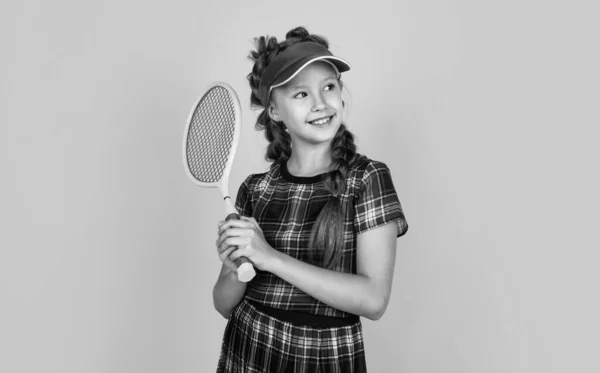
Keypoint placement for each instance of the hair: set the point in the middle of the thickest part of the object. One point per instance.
(327, 237)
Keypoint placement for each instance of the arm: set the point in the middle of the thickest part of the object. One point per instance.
(366, 293)
(228, 291)
(377, 216)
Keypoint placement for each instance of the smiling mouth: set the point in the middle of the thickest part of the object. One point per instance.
(321, 121)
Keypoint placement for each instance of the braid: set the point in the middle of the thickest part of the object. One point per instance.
(280, 143)
(343, 154)
(266, 49)
(279, 149)
(327, 236)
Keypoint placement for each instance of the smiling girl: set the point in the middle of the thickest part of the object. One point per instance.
(320, 226)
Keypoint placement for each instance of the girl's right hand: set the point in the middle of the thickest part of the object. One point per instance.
(224, 253)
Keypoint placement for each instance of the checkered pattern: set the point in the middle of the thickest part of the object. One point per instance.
(257, 343)
(210, 135)
(286, 208)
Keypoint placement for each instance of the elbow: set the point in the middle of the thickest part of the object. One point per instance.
(226, 313)
(375, 314)
(223, 311)
(377, 309)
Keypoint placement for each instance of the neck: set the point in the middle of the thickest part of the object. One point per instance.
(309, 161)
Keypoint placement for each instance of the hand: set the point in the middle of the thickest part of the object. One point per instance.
(225, 251)
(247, 235)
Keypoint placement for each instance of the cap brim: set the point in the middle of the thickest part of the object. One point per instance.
(294, 69)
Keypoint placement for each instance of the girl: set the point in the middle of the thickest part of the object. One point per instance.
(320, 226)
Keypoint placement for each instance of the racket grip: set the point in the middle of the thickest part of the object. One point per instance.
(245, 269)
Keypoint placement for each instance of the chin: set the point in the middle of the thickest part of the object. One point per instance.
(326, 134)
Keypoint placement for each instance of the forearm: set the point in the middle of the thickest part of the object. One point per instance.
(353, 293)
(227, 292)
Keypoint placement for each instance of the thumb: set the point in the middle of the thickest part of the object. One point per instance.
(251, 220)
(240, 252)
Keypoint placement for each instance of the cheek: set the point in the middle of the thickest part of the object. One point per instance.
(298, 112)
(335, 100)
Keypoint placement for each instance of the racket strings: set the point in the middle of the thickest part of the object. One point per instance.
(210, 135)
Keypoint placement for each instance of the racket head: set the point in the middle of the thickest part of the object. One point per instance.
(211, 136)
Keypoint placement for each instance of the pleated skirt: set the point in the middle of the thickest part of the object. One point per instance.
(255, 342)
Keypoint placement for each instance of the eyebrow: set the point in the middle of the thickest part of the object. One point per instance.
(294, 87)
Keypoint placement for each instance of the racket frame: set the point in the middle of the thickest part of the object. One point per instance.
(245, 268)
(223, 183)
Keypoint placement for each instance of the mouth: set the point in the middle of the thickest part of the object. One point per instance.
(322, 121)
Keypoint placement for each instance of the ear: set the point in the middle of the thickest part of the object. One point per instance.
(273, 113)
(344, 111)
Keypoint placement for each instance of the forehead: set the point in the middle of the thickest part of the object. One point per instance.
(314, 73)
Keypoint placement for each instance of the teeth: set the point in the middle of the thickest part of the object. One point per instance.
(321, 121)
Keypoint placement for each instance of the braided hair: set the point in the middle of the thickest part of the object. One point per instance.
(327, 235)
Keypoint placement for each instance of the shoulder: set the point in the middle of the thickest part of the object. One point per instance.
(365, 169)
(248, 192)
(258, 181)
(377, 202)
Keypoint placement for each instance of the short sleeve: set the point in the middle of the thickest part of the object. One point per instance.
(378, 202)
(243, 202)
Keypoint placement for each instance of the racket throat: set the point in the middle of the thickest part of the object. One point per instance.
(229, 207)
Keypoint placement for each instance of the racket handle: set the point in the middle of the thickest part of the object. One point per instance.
(245, 269)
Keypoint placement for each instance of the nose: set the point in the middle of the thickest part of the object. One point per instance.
(319, 102)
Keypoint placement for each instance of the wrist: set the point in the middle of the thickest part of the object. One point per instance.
(275, 262)
(229, 274)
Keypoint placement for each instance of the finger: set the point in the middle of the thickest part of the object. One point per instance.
(223, 244)
(229, 231)
(224, 234)
(224, 256)
(234, 232)
(241, 252)
(219, 224)
(233, 241)
(251, 220)
(236, 223)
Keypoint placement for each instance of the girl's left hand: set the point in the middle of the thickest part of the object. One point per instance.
(247, 235)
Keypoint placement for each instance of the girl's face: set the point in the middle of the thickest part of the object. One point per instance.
(310, 105)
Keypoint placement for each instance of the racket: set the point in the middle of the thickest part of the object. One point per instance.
(210, 142)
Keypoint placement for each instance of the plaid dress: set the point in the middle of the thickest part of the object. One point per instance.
(286, 207)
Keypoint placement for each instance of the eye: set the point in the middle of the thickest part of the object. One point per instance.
(300, 95)
(330, 87)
